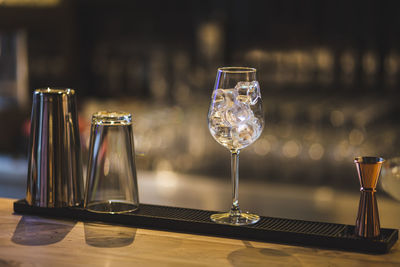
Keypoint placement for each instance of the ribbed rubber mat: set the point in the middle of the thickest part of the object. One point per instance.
(266, 223)
(315, 228)
(268, 229)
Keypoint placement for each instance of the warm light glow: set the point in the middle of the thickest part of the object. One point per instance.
(323, 197)
(210, 38)
(391, 63)
(263, 147)
(356, 137)
(396, 172)
(342, 151)
(166, 179)
(337, 118)
(30, 3)
(316, 151)
(324, 59)
(370, 62)
(291, 149)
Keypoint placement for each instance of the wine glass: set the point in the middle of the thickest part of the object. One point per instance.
(390, 177)
(235, 120)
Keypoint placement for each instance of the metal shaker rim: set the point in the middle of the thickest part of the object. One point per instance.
(106, 117)
(56, 91)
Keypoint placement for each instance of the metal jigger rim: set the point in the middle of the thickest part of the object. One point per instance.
(369, 160)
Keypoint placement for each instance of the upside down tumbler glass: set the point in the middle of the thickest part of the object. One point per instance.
(111, 178)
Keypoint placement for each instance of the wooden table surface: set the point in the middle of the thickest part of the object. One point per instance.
(35, 241)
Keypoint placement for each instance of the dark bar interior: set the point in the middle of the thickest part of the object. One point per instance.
(329, 73)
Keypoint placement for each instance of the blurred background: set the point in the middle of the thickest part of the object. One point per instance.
(329, 74)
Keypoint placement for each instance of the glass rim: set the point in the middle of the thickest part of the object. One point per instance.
(106, 117)
(50, 90)
(237, 70)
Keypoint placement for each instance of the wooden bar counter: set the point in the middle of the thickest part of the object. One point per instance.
(35, 241)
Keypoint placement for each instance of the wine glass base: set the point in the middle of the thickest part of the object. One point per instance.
(228, 218)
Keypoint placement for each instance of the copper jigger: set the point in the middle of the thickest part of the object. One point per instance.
(367, 223)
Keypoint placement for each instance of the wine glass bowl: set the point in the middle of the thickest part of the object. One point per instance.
(390, 177)
(236, 120)
(235, 116)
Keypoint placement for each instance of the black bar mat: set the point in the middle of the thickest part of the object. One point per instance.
(287, 231)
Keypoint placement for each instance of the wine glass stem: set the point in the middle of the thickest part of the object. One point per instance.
(235, 210)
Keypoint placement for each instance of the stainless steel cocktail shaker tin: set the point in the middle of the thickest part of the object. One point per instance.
(55, 166)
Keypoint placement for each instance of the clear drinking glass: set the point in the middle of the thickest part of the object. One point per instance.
(111, 179)
(236, 120)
